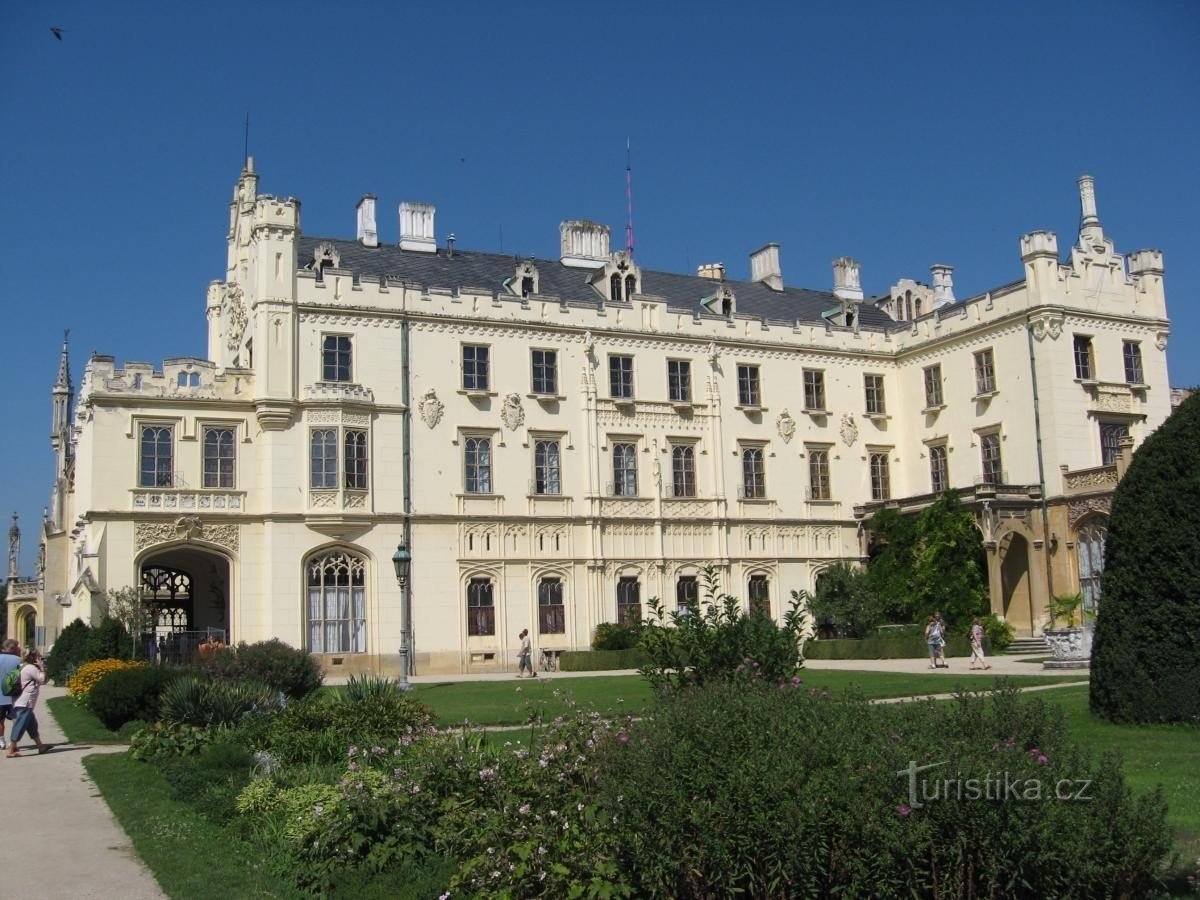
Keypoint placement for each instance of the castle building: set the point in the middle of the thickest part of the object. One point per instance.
(555, 441)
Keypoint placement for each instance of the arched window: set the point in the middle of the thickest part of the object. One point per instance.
(481, 609)
(337, 603)
(551, 613)
(169, 593)
(683, 471)
(759, 590)
(614, 287)
(630, 286)
(1089, 549)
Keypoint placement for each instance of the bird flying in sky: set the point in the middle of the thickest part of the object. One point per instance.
(57, 32)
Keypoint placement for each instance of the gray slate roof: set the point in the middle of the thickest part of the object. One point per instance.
(469, 268)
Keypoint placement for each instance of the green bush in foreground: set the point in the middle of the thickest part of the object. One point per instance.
(188, 700)
(1145, 666)
(290, 670)
(602, 660)
(614, 636)
(128, 694)
(68, 652)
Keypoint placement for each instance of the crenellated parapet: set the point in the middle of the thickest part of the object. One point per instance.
(179, 378)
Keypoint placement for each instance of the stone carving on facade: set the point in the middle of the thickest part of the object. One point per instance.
(512, 414)
(1105, 477)
(589, 343)
(431, 408)
(233, 311)
(714, 353)
(1160, 340)
(786, 426)
(849, 430)
(1047, 324)
(1077, 509)
(325, 254)
(1119, 400)
(186, 528)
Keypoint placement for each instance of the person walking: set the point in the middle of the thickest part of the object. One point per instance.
(33, 676)
(931, 638)
(524, 660)
(941, 634)
(10, 658)
(977, 646)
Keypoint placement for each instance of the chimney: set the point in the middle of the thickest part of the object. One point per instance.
(712, 271)
(943, 285)
(584, 244)
(764, 267)
(1089, 219)
(450, 239)
(847, 279)
(368, 234)
(416, 227)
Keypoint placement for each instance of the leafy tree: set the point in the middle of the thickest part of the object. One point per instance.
(68, 651)
(107, 640)
(890, 570)
(127, 607)
(1144, 658)
(846, 599)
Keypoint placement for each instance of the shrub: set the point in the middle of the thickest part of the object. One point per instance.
(107, 640)
(128, 694)
(845, 599)
(189, 700)
(614, 636)
(903, 647)
(370, 687)
(90, 674)
(997, 633)
(602, 660)
(68, 652)
(1144, 662)
(766, 790)
(285, 668)
(160, 741)
(714, 638)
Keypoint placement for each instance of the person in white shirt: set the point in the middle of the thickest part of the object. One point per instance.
(33, 676)
(977, 646)
(524, 661)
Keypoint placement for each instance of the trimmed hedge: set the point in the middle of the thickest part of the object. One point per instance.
(602, 660)
(907, 647)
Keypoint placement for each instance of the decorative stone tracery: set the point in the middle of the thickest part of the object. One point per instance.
(1078, 508)
(186, 528)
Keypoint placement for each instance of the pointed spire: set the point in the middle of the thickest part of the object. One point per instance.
(14, 549)
(63, 383)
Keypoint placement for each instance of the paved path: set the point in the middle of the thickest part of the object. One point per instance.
(69, 841)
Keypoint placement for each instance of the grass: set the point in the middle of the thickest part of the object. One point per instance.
(513, 702)
(78, 723)
(195, 859)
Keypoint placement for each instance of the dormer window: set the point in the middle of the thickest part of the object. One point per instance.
(614, 288)
(188, 379)
(630, 286)
(325, 256)
(622, 277)
(525, 279)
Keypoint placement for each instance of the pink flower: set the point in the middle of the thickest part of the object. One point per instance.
(904, 809)
(1043, 759)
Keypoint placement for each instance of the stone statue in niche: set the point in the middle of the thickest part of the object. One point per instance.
(233, 311)
(786, 426)
(512, 413)
(714, 353)
(849, 430)
(431, 408)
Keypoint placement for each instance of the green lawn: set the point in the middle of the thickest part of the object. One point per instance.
(513, 702)
(78, 723)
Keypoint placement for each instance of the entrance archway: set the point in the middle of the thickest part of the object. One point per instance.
(1014, 579)
(187, 588)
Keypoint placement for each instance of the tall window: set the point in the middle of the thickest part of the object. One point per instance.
(219, 457)
(475, 367)
(545, 371)
(881, 482)
(939, 478)
(989, 451)
(324, 458)
(546, 471)
(337, 606)
(933, 387)
(814, 389)
(985, 372)
(625, 470)
(818, 474)
(679, 380)
(1089, 550)
(683, 471)
(335, 358)
(620, 377)
(1111, 435)
(158, 461)
(629, 600)
(687, 593)
(477, 456)
(1085, 369)
(754, 477)
(614, 287)
(748, 386)
(551, 619)
(356, 460)
(876, 403)
(1132, 353)
(760, 595)
(481, 612)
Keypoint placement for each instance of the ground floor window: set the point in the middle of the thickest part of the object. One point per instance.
(481, 609)
(760, 594)
(337, 605)
(1089, 549)
(629, 600)
(687, 593)
(551, 617)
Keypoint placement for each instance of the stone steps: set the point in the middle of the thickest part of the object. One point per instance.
(1028, 645)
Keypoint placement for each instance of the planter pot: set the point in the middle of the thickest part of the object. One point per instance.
(1070, 647)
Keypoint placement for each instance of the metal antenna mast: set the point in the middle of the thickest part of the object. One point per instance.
(246, 141)
(628, 199)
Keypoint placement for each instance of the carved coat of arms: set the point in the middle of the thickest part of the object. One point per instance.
(512, 414)
(786, 426)
(431, 408)
(849, 430)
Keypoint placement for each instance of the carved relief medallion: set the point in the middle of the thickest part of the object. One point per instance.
(786, 426)
(849, 430)
(512, 414)
(431, 408)
(185, 528)
(1047, 324)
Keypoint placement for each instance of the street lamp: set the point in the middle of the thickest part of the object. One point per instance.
(402, 560)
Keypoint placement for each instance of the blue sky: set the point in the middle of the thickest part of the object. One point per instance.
(901, 134)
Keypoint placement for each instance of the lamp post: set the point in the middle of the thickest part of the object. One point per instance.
(402, 560)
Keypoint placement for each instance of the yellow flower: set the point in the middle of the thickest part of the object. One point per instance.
(90, 674)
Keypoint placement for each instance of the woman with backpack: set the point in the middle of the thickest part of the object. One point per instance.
(33, 676)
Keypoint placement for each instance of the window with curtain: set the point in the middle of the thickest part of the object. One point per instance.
(1089, 550)
(481, 610)
(629, 600)
(759, 591)
(551, 614)
(818, 474)
(323, 459)
(337, 604)
(881, 483)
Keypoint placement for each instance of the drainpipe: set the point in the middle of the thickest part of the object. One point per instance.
(406, 463)
(1037, 430)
